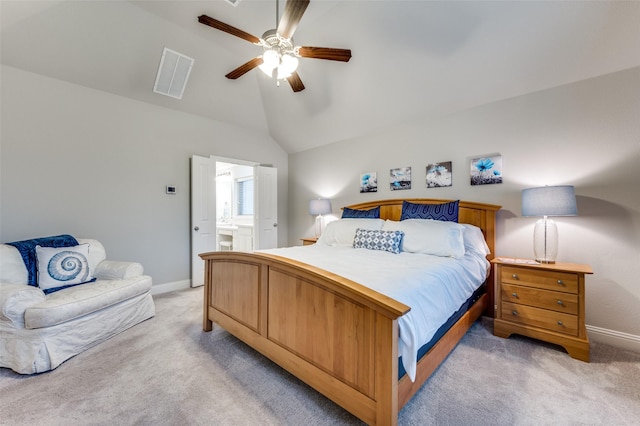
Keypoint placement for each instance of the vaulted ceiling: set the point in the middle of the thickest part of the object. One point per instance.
(411, 59)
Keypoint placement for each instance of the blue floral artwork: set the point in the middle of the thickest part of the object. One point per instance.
(486, 170)
(368, 182)
(439, 175)
(400, 178)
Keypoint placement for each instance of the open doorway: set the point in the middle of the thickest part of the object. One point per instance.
(233, 207)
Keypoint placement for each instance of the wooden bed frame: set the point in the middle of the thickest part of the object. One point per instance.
(336, 335)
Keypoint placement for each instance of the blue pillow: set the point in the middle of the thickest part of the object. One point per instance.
(378, 240)
(447, 211)
(373, 213)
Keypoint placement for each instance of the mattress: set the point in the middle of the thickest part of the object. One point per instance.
(433, 287)
(444, 328)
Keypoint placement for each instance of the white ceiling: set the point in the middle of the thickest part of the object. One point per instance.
(411, 59)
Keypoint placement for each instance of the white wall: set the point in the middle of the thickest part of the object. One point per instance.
(586, 134)
(92, 164)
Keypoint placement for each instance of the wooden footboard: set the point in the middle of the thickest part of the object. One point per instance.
(339, 337)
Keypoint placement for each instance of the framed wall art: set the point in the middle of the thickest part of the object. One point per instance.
(486, 170)
(400, 178)
(368, 182)
(439, 175)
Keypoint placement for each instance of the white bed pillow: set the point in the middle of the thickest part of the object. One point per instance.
(474, 240)
(428, 236)
(341, 232)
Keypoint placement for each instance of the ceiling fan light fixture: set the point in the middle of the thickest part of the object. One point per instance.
(265, 69)
(271, 60)
(279, 58)
(288, 65)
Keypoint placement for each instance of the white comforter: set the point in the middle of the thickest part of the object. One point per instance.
(434, 287)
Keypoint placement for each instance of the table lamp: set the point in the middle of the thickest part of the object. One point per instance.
(548, 201)
(318, 208)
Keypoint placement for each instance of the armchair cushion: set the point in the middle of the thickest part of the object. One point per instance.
(74, 302)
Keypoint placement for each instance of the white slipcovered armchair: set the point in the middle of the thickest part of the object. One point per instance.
(39, 331)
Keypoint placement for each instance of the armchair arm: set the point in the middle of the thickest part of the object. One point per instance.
(15, 299)
(118, 270)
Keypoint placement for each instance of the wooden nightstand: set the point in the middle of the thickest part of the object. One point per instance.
(543, 301)
(309, 241)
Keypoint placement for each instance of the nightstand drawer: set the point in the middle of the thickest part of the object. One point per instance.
(545, 299)
(550, 320)
(549, 280)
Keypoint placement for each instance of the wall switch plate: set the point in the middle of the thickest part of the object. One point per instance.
(171, 189)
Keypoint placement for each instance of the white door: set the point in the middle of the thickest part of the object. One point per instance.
(266, 207)
(203, 214)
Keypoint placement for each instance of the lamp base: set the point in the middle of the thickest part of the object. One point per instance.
(319, 225)
(545, 241)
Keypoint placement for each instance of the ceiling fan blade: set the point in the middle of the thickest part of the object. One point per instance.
(293, 11)
(325, 53)
(295, 82)
(218, 25)
(245, 68)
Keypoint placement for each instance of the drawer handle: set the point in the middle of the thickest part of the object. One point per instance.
(514, 294)
(515, 313)
(560, 323)
(560, 282)
(514, 276)
(560, 302)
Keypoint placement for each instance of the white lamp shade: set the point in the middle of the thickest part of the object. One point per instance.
(549, 201)
(265, 69)
(319, 207)
(289, 64)
(271, 59)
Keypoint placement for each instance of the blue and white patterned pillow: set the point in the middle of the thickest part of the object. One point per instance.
(373, 213)
(446, 212)
(378, 240)
(61, 267)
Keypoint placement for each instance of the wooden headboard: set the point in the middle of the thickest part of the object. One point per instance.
(479, 214)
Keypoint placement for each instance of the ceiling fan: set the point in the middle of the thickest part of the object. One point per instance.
(280, 57)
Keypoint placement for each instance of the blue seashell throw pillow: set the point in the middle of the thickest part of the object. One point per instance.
(446, 211)
(62, 267)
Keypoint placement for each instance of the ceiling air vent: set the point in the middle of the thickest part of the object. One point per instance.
(173, 74)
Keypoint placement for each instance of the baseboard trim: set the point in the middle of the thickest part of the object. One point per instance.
(614, 338)
(167, 287)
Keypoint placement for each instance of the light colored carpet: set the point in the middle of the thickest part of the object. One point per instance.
(167, 371)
